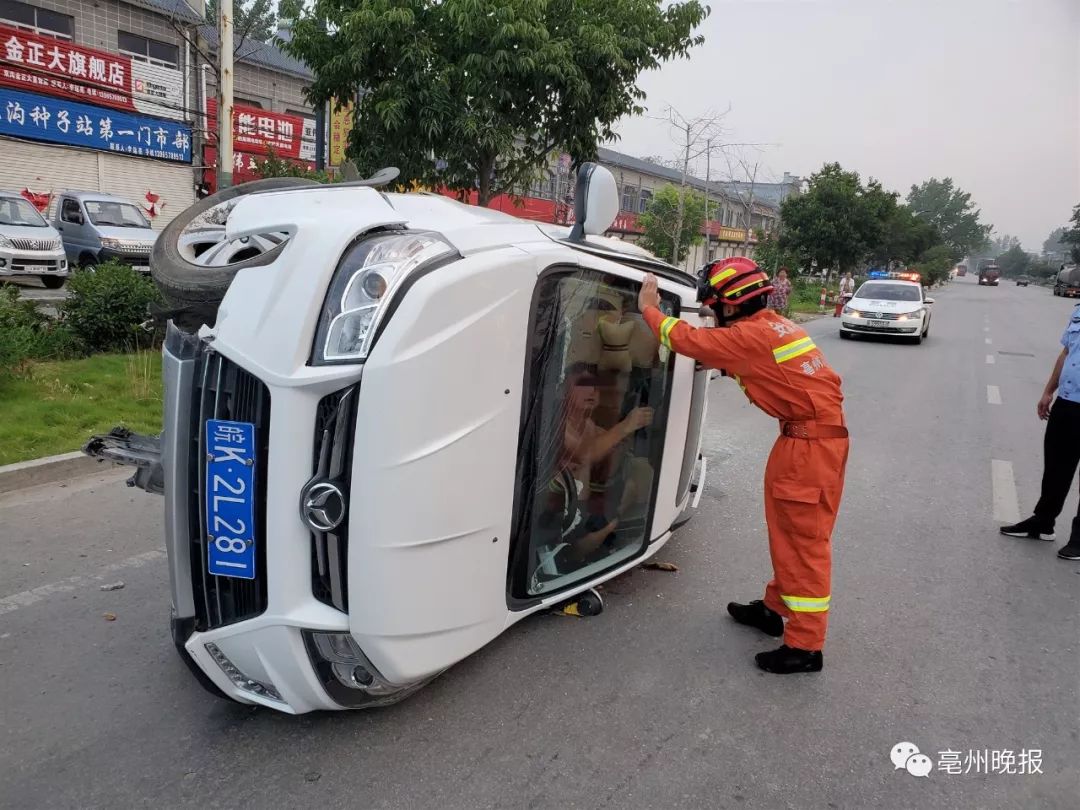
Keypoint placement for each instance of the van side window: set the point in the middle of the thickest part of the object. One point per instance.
(593, 434)
(70, 211)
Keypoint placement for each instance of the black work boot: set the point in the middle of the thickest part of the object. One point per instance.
(1032, 528)
(1071, 550)
(757, 615)
(785, 660)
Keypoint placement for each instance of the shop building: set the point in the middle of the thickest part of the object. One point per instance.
(99, 96)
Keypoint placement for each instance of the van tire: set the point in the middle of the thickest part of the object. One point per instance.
(52, 282)
(184, 284)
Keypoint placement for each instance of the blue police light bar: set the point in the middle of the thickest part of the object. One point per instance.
(877, 274)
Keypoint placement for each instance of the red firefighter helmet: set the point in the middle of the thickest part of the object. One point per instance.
(732, 281)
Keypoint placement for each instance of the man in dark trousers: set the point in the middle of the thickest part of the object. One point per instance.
(1061, 446)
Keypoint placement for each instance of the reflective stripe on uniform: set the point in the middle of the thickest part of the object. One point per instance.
(727, 272)
(666, 326)
(806, 604)
(789, 351)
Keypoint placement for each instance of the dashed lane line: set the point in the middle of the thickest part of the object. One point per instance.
(16, 601)
(993, 395)
(990, 359)
(1006, 509)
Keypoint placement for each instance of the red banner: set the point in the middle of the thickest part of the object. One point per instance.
(244, 167)
(58, 68)
(258, 131)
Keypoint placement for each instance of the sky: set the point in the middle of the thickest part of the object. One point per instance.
(984, 91)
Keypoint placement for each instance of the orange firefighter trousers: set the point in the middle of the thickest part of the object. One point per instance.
(804, 481)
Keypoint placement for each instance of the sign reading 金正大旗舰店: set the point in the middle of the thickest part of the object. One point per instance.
(55, 67)
(57, 120)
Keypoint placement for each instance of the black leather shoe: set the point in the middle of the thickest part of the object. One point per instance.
(785, 660)
(757, 615)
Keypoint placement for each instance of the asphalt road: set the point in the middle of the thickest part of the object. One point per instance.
(943, 633)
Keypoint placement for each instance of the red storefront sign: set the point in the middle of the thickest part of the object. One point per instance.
(258, 131)
(245, 167)
(58, 68)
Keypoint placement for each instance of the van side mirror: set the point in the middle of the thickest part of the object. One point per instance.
(596, 201)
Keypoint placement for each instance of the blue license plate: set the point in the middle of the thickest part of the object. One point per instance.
(230, 498)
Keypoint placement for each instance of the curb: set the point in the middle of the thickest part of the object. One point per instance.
(46, 470)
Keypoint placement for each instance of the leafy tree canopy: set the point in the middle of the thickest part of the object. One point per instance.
(660, 222)
(950, 210)
(837, 220)
(1071, 236)
(475, 94)
(254, 19)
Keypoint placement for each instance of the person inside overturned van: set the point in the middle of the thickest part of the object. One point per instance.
(601, 380)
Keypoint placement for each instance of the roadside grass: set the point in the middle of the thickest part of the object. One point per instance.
(53, 407)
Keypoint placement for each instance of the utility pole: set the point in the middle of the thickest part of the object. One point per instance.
(225, 94)
(320, 137)
(708, 227)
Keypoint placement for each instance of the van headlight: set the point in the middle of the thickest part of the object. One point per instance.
(366, 278)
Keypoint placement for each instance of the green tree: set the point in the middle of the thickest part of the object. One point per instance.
(1014, 261)
(254, 19)
(660, 222)
(771, 256)
(837, 221)
(935, 264)
(905, 237)
(475, 94)
(1071, 236)
(950, 210)
(275, 166)
(1053, 243)
(1004, 243)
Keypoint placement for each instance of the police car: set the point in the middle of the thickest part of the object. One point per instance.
(888, 304)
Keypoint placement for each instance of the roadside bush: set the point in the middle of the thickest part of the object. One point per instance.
(27, 334)
(105, 308)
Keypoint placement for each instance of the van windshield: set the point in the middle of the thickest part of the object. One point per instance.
(117, 214)
(20, 212)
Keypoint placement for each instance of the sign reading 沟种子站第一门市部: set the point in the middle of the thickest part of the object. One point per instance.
(62, 121)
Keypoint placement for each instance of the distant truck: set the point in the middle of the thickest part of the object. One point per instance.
(1067, 283)
(961, 270)
(989, 275)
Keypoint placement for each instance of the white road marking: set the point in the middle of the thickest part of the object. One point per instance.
(988, 341)
(1006, 509)
(986, 328)
(993, 395)
(9, 604)
(990, 359)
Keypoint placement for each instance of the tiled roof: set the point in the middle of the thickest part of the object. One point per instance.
(262, 54)
(177, 9)
(766, 194)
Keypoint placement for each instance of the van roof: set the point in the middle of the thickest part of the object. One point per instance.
(86, 196)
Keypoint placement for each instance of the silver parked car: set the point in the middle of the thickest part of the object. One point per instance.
(29, 245)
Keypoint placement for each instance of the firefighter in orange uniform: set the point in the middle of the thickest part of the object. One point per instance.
(783, 373)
